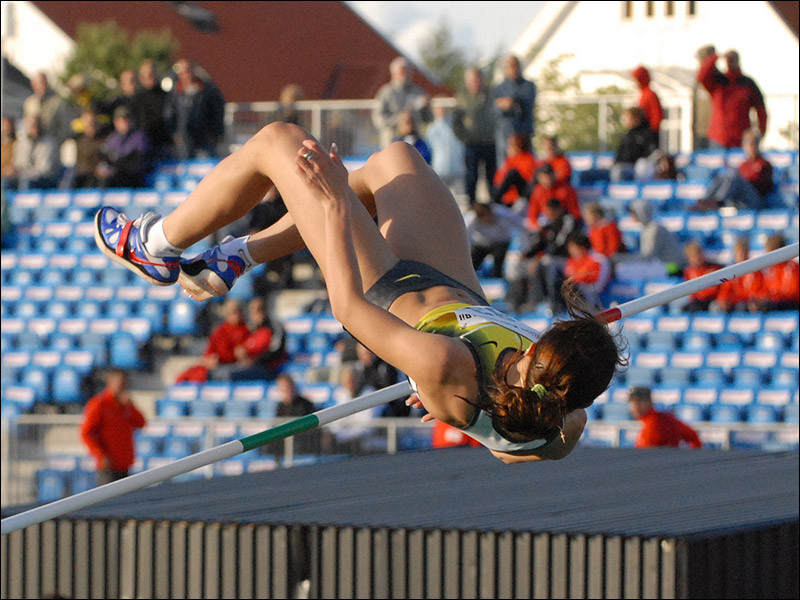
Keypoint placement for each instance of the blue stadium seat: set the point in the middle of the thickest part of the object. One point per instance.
(616, 411)
(760, 359)
(749, 439)
(600, 436)
(725, 413)
(791, 414)
(182, 318)
(737, 396)
(124, 352)
(51, 484)
(662, 341)
(678, 376)
(67, 386)
(747, 376)
(21, 397)
(701, 394)
(785, 322)
(691, 413)
(266, 408)
(785, 377)
(773, 341)
(763, 413)
(724, 357)
(666, 396)
(708, 323)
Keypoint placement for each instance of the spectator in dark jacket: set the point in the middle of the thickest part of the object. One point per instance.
(639, 141)
(125, 153)
(733, 95)
(149, 108)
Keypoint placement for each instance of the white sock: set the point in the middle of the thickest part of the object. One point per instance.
(156, 242)
(238, 246)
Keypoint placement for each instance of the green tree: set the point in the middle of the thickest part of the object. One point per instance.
(103, 50)
(442, 58)
(576, 124)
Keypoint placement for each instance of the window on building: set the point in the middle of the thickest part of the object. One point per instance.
(650, 10)
(691, 9)
(627, 10)
(669, 9)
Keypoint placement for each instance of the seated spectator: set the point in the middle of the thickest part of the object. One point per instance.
(221, 348)
(536, 276)
(604, 235)
(638, 141)
(262, 352)
(372, 373)
(554, 156)
(125, 154)
(741, 293)
(89, 153)
(9, 138)
(407, 132)
(293, 404)
(745, 187)
(514, 178)
(781, 287)
(656, 242)
(590, 270)
(666, 169)
(697, 266)
(549, 188)
(491, 228)
(352, 434)
(35, 159)
(659, 428)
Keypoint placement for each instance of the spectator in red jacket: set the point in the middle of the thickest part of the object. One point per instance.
(742, 292)
(590, 270)
(555, 157)
(445, 436)
(548, 188)
(697, 266)
(604, 235)
(745, 187)
(733, 95)
(514, 178)
(109, 421)
(659, 428)
(781, 283)
(648, 100)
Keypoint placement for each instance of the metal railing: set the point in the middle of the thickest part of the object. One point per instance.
(31, 442)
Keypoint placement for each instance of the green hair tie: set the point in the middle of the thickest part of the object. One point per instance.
(539, 390)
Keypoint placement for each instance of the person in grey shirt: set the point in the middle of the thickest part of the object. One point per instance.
(397, 96)
(656, 242)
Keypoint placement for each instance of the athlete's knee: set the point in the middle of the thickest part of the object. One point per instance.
(274, 132)
(392, 156)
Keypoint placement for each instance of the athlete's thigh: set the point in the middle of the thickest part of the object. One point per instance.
(416, 212)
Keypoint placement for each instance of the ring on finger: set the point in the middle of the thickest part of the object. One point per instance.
(309, 156)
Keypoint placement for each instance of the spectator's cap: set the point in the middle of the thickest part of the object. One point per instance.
(639, 392)
(546, 169)
(122, 112)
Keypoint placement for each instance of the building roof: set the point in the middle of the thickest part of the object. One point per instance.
(252, 49)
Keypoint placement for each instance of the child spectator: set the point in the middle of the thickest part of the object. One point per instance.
(549, 188)
(590, 270)
(656, 242)
(781, 286)
(407, 132)
(514, 178)
(604, 235)
(555, 157)
(698, 266)
(742, 292)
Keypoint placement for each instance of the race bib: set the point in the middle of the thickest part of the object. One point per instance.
(479, 315)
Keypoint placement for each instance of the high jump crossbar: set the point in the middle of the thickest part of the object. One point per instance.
(328, 415)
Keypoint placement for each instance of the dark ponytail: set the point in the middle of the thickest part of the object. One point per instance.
(572, 364)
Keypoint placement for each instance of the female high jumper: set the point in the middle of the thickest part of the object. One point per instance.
(405, 288)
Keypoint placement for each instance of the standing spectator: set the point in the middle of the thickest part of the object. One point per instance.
(195, 113)
(126, 87)
(604, 235)
(446, 149)
(125, 154)
(407, 132)
(35, 159)
(697, 266)
(648, 100)
(781, 286)
(659, 428)
(149, 108)
(474, 124)
(549, 188)
(639, 141)
(656, 242)
(287, 103)
(292, 404)
(745, 187)
(554, 156)
(89, 153)
(742, 292)
(515, 98)
(43, 103)
(733, 95)
(398, 96)
(513, 180)
(491, 228)
(110, 419)
(590, 271)
(9, 139)
(701, 105)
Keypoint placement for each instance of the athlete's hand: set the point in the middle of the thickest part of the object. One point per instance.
(415, 402)
(323, 172)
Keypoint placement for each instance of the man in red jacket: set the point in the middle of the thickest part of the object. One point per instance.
(648, 100)
(110, 419)
(732, 96)
(659, 428)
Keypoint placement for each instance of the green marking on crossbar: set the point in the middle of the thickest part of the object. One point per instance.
(281, 431)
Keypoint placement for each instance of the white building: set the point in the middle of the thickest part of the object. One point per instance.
(605, 40)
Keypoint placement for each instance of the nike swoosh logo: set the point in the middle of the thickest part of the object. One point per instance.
(406, 277)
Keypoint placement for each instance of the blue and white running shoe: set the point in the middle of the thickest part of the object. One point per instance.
(213, 272)
(122, 240)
